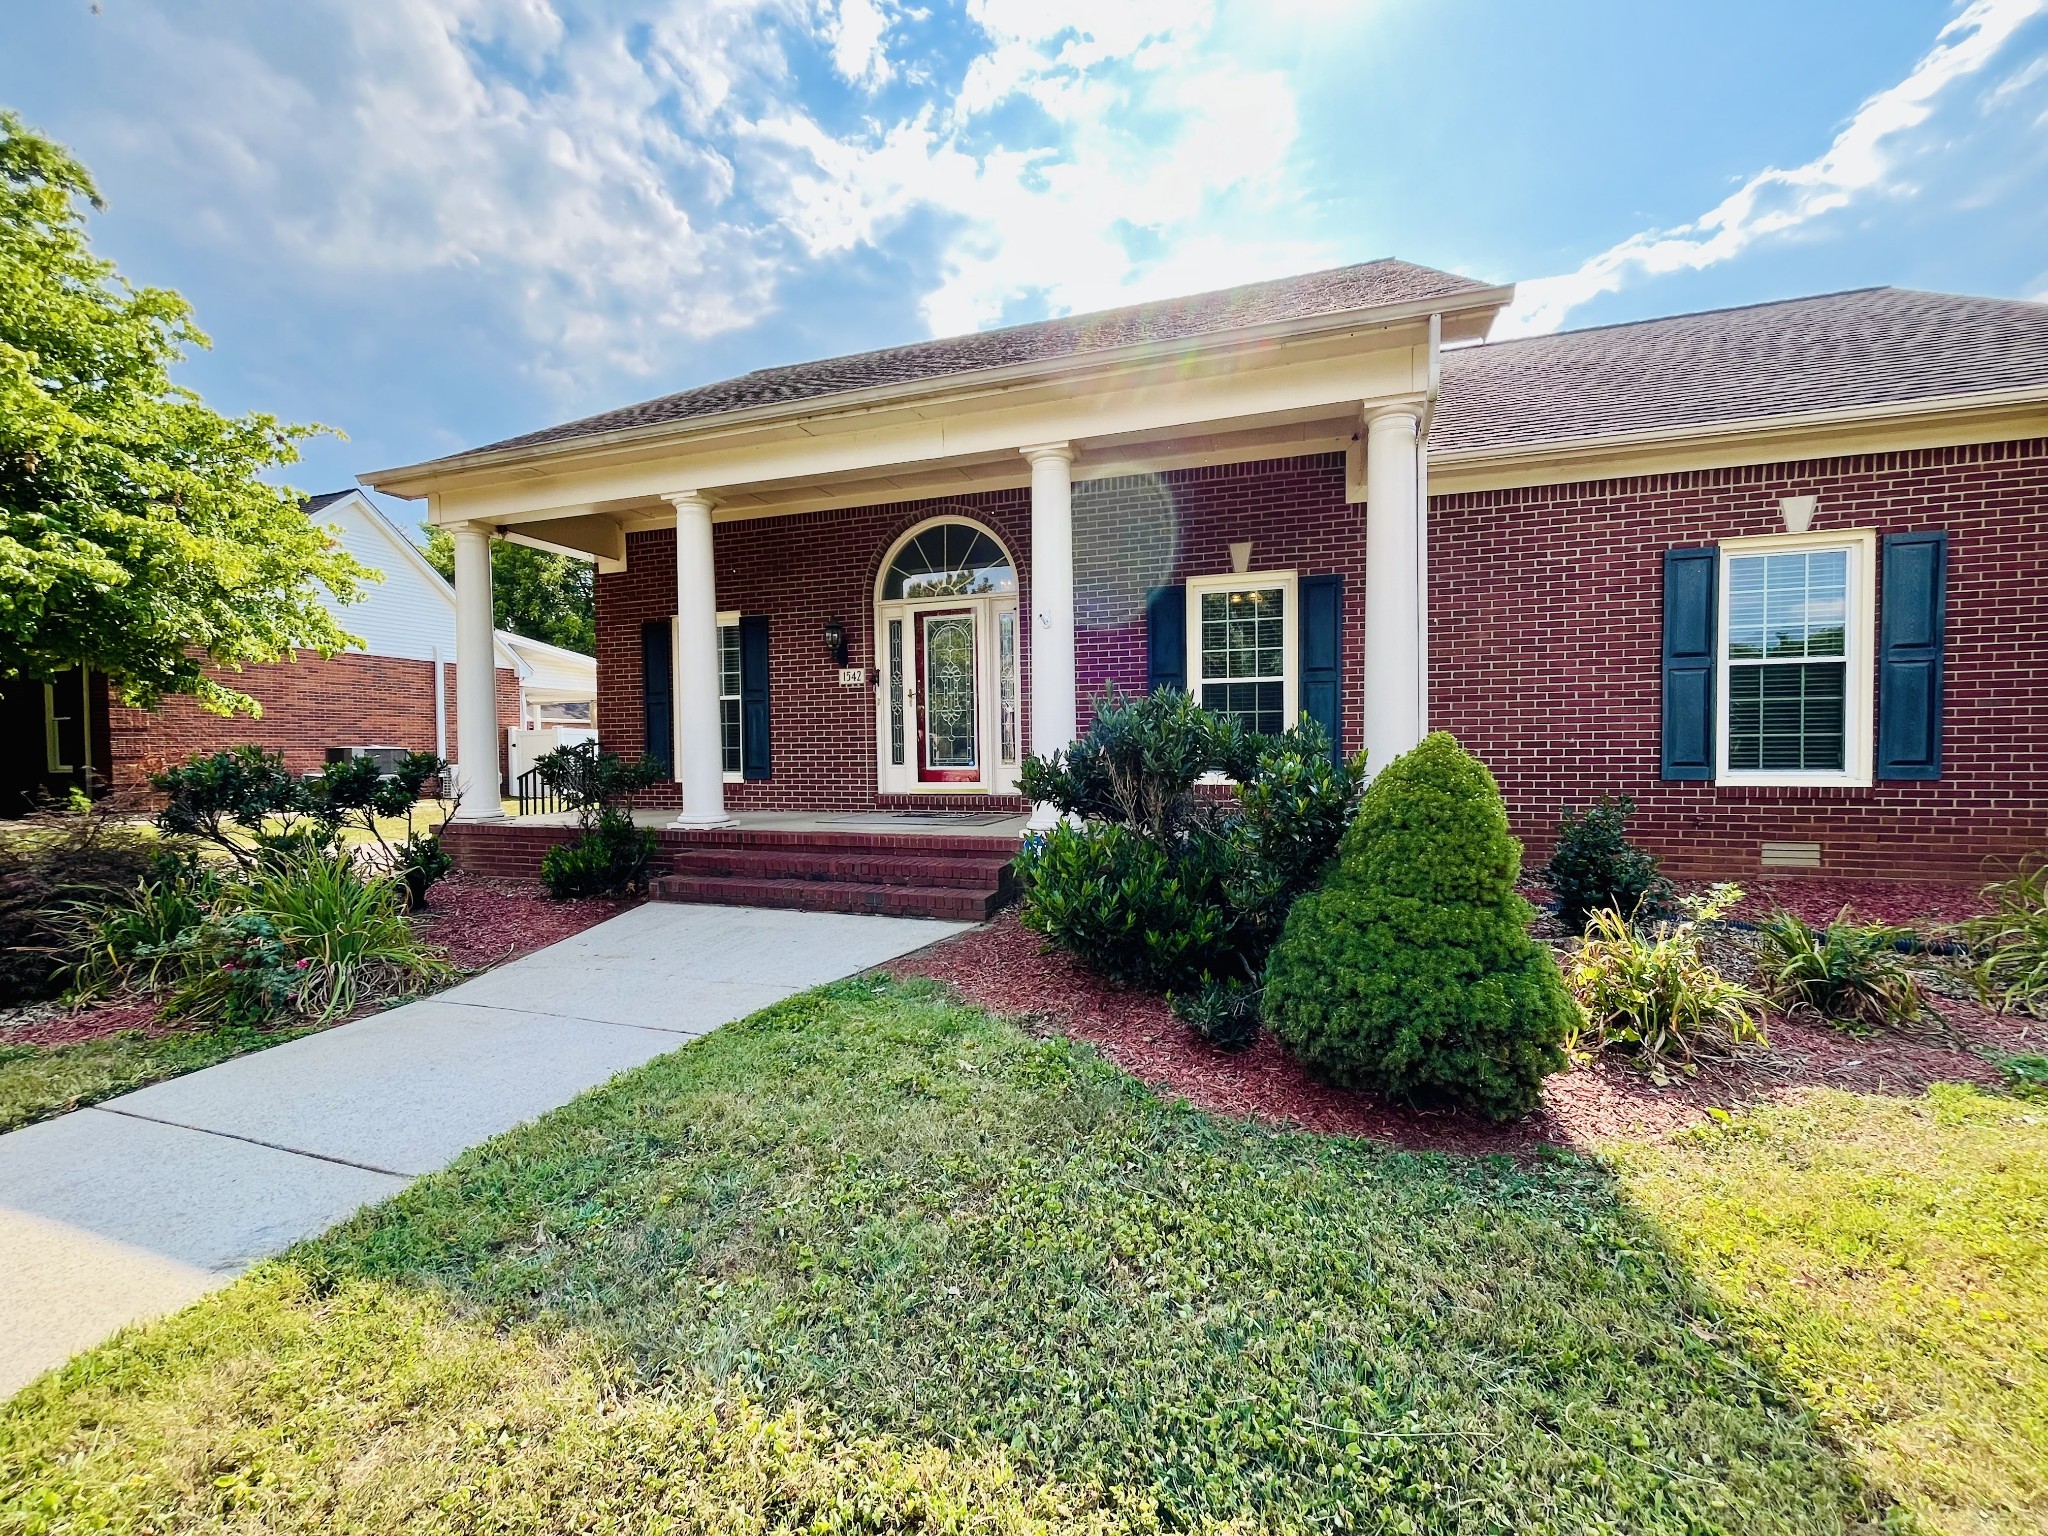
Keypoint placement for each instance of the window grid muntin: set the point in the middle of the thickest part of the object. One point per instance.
(1786, 650)
(729, 696)
(1243, 655)
(949, 559)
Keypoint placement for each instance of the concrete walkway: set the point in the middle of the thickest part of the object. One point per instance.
(136, 1206)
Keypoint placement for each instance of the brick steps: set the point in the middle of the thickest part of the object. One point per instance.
(943, 901)
(961, 877)
(845, 866)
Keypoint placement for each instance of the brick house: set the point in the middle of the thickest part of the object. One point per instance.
(397, 691)
(1771, 571)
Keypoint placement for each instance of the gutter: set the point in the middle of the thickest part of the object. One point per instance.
(947, 386)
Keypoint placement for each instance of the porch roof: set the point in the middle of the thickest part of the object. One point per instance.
(1337, 291)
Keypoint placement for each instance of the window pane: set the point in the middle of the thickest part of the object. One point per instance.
(1243, 634)
(729, 722)
(949, 560)
(1788, 718)
(1788, 607)
(896, 692)
(1006, 682)
(729, 661)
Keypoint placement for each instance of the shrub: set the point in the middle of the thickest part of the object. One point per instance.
(53, 863)
(358, 794)
(2010, 943)
(345, 930)
(243, 801)
(1846, 973)
(128, 943)
(1411, 971)
(1594, 867)
(1225, 1013)
(611, 856)
(1649, 991)
(1165, 884)
(233, 968)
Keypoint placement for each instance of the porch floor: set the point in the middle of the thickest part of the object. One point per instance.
(915, 823)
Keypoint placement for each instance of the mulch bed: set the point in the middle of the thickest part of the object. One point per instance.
(481, 923)
(478, 923)
(1002, 967)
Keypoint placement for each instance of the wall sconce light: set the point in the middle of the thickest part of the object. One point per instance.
(835, 640)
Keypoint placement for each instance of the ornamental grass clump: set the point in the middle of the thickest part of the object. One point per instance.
(1846, 973)
(1412, 971)
(2010, 942)
(1648, 990)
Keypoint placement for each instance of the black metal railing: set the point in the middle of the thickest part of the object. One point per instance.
(537, 797)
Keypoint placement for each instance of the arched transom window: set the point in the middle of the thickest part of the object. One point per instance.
(949, 560)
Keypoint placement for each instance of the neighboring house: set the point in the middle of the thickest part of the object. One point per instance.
(397, 691)
(1771, 571)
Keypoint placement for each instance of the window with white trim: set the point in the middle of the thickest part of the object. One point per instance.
(1242, 653)
(729, 715)
(1795, 659)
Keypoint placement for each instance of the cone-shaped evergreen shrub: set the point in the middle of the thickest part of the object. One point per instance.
(1411, 971)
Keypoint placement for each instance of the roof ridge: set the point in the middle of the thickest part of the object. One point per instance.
(1073, 318)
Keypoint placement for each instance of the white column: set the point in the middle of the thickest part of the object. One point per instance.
(699, 749)
(476, 676)
(1052, 604)
(1394, 604)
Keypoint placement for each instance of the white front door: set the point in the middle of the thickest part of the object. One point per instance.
(949, 711)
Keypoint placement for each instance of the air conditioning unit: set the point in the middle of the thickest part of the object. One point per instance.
(386, 757)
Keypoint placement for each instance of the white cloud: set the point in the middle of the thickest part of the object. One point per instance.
(1862, 161)
(858, 31)
(626, 176)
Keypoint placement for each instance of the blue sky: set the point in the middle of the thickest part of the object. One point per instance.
(432, 223)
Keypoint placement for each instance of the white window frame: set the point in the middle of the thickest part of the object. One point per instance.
(730, 621)
(1859, 708)
(1290, 632)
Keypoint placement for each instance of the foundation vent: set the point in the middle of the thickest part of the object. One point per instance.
(1789, 856)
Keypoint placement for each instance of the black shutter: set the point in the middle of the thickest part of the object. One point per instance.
(657, 692)
(1690, 625)
(1166, 639)
(1914, 602)
(1322, 656)
(754, 696)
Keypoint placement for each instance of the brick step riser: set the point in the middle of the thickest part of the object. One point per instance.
(936, 846)
(969, 874)
(829, 896)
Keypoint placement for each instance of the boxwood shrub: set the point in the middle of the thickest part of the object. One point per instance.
(1411, 971)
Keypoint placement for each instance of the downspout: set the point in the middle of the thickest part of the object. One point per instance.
(440, 708)
(1436, 338)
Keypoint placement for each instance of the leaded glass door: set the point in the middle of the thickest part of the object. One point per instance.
(948, 697)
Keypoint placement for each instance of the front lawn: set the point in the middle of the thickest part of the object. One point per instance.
(875, 1261)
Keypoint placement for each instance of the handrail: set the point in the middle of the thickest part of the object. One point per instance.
(537, 797)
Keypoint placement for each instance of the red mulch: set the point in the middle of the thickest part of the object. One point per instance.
(478, 923)
(1001, 967)
(481, 923)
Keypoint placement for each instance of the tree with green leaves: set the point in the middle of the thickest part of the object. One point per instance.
(534, 593)
(137, 535)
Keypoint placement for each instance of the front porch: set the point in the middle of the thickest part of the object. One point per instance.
(947, 865)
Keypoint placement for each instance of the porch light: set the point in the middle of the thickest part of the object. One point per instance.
(835, 640)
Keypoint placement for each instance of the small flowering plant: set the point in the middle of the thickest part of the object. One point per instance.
(237, 970)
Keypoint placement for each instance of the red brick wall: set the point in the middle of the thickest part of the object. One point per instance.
(1545, 635)
(799, 571)
(1545, 655)
(309, 705)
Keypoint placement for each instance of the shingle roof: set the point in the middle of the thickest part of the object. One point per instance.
(324, 500)
(1838, 351)
(1364, 286)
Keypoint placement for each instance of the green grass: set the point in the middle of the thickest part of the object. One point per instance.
(1891, 1256)
(871, 1259)
(38, 1081)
